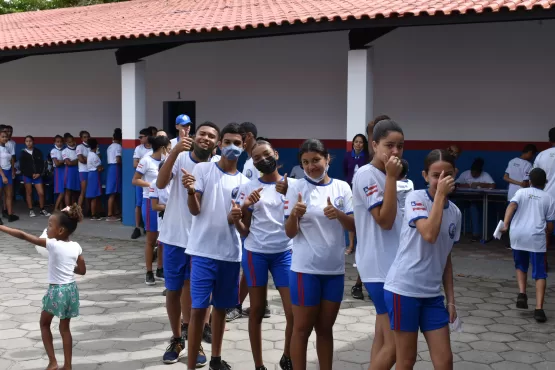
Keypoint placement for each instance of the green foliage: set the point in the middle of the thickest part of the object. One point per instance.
(14, 6)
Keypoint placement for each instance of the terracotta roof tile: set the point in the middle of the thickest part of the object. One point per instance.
(147, 18)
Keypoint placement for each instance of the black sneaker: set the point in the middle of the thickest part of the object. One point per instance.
(261, 368)
(160, 273)
(136, 233)
(149, 278)
(522, 301)
(5, 213)
(207, 334)
(184, 331)
(175, 351)
(285, 363)
(267, 312)
(12, 218)
(221, 365)
(233, 314)
(356, 292)
(539, 315)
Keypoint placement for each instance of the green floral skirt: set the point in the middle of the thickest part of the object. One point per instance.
(62, 300)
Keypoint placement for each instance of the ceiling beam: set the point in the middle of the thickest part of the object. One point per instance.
(132, 54)
(360, 37)
(7, 59)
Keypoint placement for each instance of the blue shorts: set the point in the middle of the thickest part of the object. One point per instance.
(30, 180)
(309, 289)
(217, 278)
(409, 314)
(539, 259)
(375, 290)
(84, 176)
(8, 174)
(150, 216)
(256, 266)
(138, 196)
(177, 267)
(59, 176)
(71, 180)
(94, 187)
(113, 179)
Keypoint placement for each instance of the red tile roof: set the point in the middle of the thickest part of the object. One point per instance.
(147, 18)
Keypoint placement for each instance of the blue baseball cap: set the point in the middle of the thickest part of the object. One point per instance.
(182, 120)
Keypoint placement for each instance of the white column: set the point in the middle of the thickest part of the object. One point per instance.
(360, 92)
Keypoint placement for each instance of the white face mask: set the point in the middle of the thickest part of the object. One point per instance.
(320, 178)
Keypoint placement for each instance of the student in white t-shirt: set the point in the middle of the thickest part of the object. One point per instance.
(412, 290)
(517, 170)
(140, 151)
(183, 127)
(531, 214)
(378, 223)
(145, 175)
(65, 259)
(404, 186)
(59, 169)
(72, 184)
(94, 185)
(297, 172)
(113, 176)
(266, 247)
(546, 161)
(476, 178)
(7, 175)
(214, 243)
(318, 211)
(82, 151)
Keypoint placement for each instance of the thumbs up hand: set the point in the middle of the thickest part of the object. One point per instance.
(188, 181)
(253, 198)
(330, 211)
(281, 186)
(235, 213)
(300, 207)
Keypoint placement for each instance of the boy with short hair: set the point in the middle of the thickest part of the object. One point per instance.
(531, 214)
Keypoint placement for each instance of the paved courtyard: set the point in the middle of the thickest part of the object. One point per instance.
(123, 322)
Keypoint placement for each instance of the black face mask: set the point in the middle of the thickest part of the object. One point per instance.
(267, 165)
(201, 153)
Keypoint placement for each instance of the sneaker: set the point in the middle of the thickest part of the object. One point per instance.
(184, 331)
(112, 219)
(136, 233)
(12, 218)
(175, 351)
(356, 292)
(32, 213)
(160, 273)
(539, 315)
(44, 212)
(285, 363)
(149, 278)
(267, 312)
(201, 358)
(222, 365)
(207, 334)
(233, 314)
(4, 213)
(522, 301)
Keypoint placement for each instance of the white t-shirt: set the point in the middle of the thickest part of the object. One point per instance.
(62, 259)
(319, 246)
(466, 178)
(535, 208)
(69, 153)
(114, 151)
(211, 235)
(376, 247)
(11, 147)
(418, 267)
(297, 172)
(83, 149)
(249, 170)
(177, 217)
(404, 187)
(141, 151)
(215, 158)
(267, 230)
(93, 161)
(518, 170)
(56, 153)
(148, 167)
(546, 161)
(5, 158)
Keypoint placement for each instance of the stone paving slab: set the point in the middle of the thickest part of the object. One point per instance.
(123, 323)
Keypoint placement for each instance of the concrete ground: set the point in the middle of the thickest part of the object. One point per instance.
(123, 323)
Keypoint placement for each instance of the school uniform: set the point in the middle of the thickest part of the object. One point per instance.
(174, 233)
(376, 248)
(266, 248)
(94, 186)
(56, 153)
(6, 165)
(83, 149)
(161, 195)
(138, 154)
(518, 170)
(546, 161)
(31, 162)
(215, 245)
(215, 158)
(318, 263)
(11, 147)
(296, 172)
(249, 170)
(404, 187)
(148, 168)
(113, 175)
(413, 284)
(71, 174)
(535, 208)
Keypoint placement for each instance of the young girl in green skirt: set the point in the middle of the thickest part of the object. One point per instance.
(64, 261)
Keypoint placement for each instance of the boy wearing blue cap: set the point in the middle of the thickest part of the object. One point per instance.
(183, 127)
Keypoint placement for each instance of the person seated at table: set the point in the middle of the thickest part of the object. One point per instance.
(476, 178)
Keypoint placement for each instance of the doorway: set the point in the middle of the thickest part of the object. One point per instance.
(172, 109)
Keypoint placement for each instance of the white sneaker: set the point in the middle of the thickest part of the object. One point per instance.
(32, 213)
(44, 212)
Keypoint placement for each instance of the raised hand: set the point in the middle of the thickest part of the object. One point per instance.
(282, 185)
(330, 211)
(236, 213)
(300, 207)
(188, 181)
(253, 197)
(446, 184)
(393, 166)
(183, 145)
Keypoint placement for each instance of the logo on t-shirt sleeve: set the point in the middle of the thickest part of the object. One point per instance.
(417, 206)
(452, 229)
(369, 190)
(339, 203)
(234, 193)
